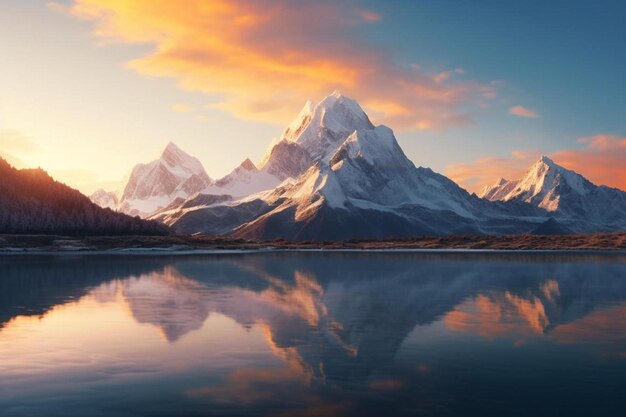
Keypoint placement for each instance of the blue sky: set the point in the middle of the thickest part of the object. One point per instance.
(564, 59)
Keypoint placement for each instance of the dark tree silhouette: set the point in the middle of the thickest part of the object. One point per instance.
(32, 202)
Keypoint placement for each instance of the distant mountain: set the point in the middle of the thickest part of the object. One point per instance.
(497, 191)
(154, 185)
(571, 199)
(105, 199)
(244, 180)
(32, 202)
(346, 178)
(167, 183)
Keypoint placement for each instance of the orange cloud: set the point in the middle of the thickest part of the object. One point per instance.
(261, 61)
(601, 160)
(369, 16)
(486, 171)
(522, 111)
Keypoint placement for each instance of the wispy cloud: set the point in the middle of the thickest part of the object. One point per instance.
(522, 111)
(261, 60)
(368, 15)
(181, 108)
(601, 160)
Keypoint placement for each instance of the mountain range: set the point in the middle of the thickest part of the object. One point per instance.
(175, 177)
(334, 175)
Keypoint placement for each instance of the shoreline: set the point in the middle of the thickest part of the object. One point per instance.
(189, 245)
(238, 252)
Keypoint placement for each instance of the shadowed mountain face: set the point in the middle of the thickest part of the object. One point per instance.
(364, 333)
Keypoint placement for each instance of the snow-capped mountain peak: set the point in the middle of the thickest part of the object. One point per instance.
(542, 185)
(497, 190)
(315, 134)
(321, 128)
(171, 149)
(377, 146)
(153, 185)
(176, 158)
(545, 180)
(569, 195)
(545, 160)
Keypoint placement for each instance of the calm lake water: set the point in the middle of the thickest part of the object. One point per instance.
(313, 334)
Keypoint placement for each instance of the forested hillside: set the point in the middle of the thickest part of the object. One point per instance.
(33, 202)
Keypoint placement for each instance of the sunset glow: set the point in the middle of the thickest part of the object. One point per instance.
(101, 85)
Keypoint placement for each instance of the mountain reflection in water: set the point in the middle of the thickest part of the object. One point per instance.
(313, 334)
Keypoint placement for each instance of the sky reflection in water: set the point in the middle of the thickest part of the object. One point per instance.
(313, 334)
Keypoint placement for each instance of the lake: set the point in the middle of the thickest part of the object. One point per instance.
(313, 334)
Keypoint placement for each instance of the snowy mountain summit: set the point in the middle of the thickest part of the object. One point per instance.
(321, 129)
(314, 135)
(540, 185)
(572, 199)
(104, 199)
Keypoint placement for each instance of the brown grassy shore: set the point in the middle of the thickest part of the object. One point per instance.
(597, 241)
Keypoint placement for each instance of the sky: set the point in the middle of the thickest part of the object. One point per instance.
(475, 90)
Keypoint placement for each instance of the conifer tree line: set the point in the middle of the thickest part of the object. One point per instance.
(32, 202)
